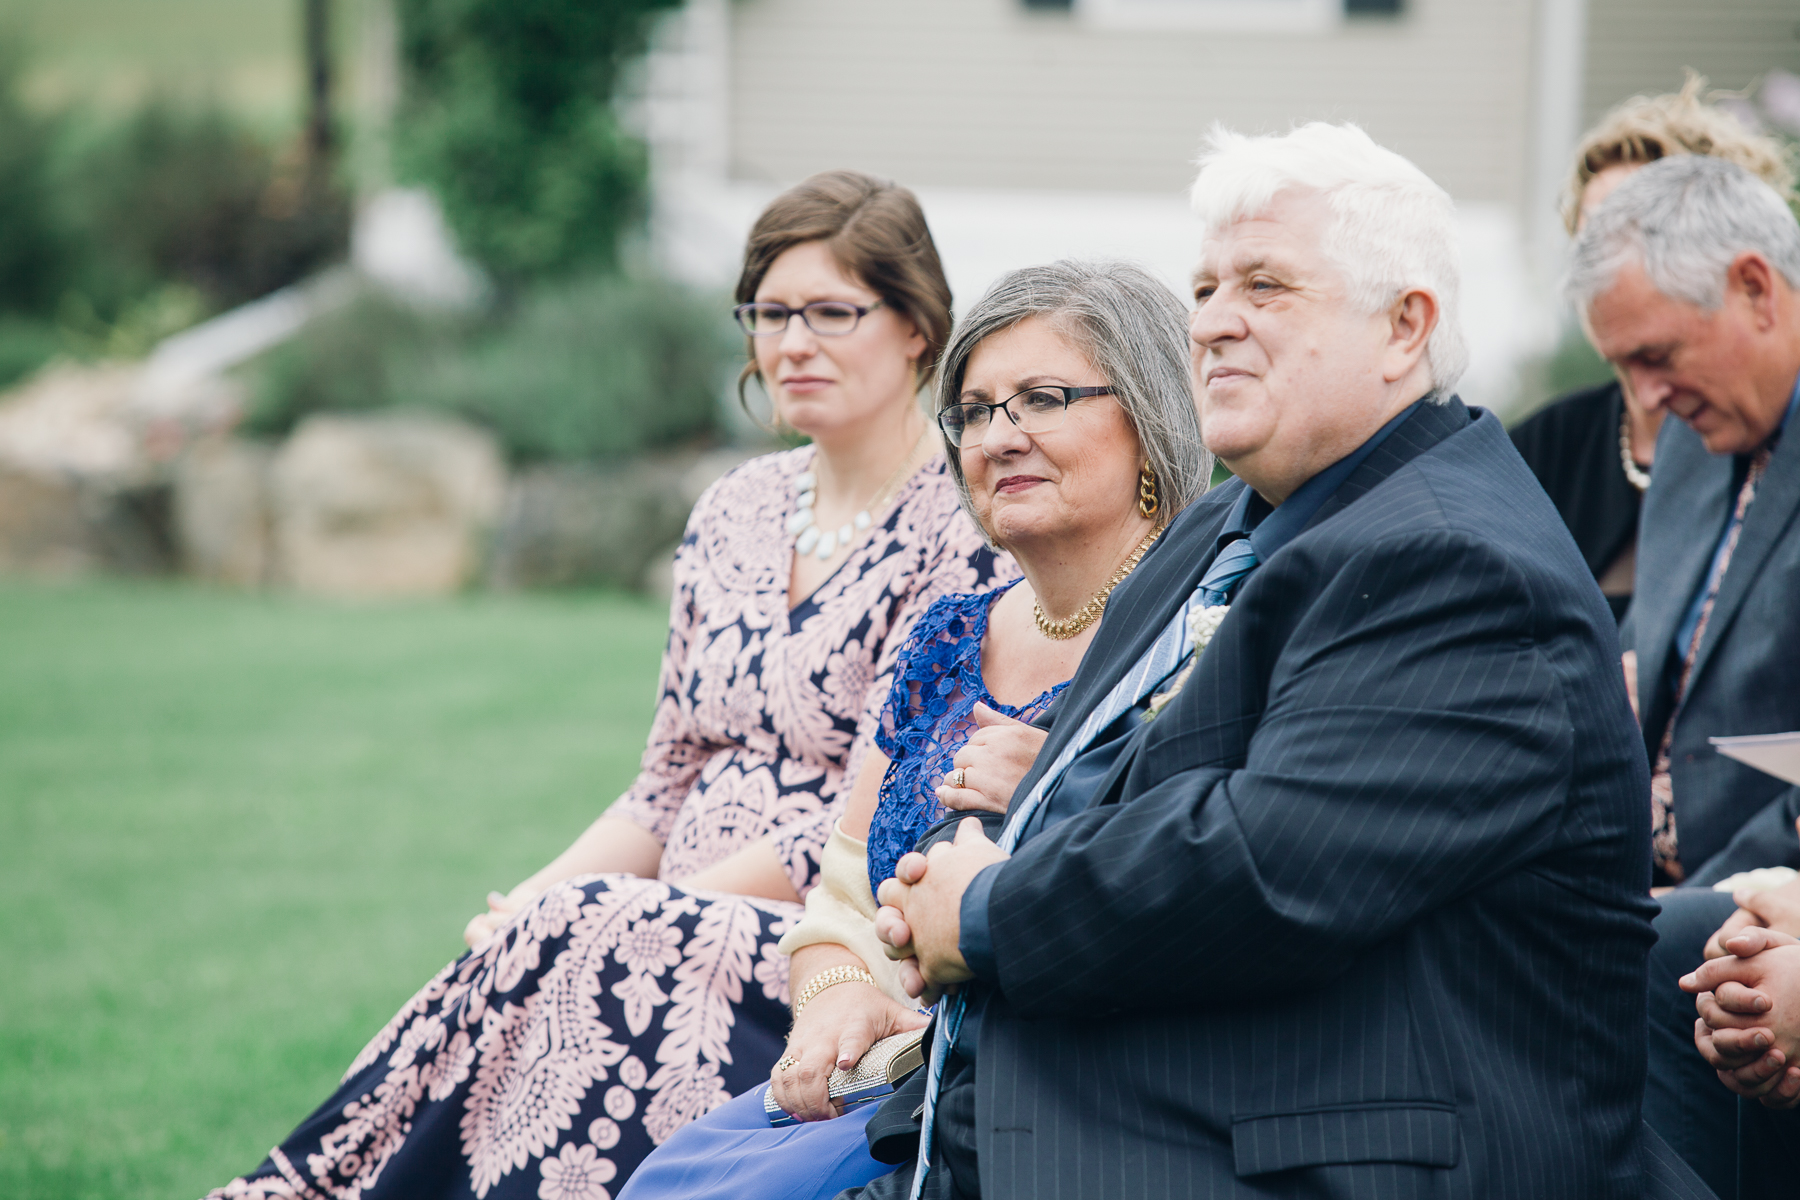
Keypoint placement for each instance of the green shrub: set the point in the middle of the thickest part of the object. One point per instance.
(347, 360)
(589, 369)
(507, 117)
(576, 370)
(25, 345)
(187, 195)
(34, 256)
(118, 231)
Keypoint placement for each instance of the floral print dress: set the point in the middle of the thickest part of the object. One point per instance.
(551, 1059)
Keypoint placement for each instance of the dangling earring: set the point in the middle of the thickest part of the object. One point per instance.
(1149, 503)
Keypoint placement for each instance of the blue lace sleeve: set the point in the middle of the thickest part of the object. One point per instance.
(936, 685)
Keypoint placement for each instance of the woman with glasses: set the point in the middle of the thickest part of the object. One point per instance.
(1066, 409)
(633, 983)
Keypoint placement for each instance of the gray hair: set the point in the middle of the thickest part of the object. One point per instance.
(1132, 329)
(1685, 220)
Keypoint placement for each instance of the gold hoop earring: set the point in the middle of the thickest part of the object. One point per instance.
(1149, 503)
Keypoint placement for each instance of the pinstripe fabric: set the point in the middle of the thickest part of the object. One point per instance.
(1157, 662)
(1362, 913)
(1732, 817)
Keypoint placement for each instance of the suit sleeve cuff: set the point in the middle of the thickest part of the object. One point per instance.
(977, 940)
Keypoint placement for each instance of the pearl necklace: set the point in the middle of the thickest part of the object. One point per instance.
(1090, 612)
(1634, 474)
(804, 524)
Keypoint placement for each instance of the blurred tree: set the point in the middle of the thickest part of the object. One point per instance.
(189, 196)
(506, 113)
(315, 18)
(33, 255)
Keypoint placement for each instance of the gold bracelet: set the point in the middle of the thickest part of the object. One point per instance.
(830, 977)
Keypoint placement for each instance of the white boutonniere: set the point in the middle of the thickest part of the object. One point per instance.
(1202, 624)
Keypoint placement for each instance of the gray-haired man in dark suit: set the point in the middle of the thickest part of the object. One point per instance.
(1688, 279)
(1322, 908)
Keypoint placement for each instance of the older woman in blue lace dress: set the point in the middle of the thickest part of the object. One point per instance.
(1069, 425)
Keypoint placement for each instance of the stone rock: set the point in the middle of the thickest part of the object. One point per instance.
(83, 476)
(222, 519)
(602, 525)
(384, 505)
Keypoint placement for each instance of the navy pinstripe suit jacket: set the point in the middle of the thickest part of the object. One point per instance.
(1363, 912)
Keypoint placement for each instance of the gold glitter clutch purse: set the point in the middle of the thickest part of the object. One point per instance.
(874, 1077)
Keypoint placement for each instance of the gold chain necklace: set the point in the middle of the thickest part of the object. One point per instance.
(1088, 613)
(1634, 474)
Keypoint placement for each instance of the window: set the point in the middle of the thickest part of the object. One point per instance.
(1299, 16)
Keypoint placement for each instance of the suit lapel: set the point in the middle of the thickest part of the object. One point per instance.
(1770, 514)
(1428, 426)
(1684, 513)
(1135, 613)
(1149, 597)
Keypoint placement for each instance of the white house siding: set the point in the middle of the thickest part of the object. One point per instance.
(984, 93)
(1030, 136)
(1639, 47)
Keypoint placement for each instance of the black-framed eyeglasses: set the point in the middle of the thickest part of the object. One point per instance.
(827, 318)
(1040, 410)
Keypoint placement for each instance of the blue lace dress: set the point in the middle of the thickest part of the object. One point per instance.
(928, 718)
(733, 1153)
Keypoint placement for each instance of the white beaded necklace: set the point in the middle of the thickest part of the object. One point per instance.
(804, 525)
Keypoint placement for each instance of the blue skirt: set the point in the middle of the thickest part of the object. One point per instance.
(733, 1153)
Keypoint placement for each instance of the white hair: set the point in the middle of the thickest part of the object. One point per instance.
(1685, 220)
(1395, 229)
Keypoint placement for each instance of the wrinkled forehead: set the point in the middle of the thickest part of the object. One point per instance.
(1286, 237)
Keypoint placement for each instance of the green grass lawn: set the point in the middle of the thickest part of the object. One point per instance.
(237, 832)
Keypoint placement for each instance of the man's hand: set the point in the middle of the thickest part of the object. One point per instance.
(921, 913)
(1749, 1006)
(992, 762)
(1777, 908)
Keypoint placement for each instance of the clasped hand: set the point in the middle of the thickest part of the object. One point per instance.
(1748, 996)
(920, 919)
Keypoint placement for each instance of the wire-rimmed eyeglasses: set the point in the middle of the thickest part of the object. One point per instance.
(1040, 410)
(827, 318)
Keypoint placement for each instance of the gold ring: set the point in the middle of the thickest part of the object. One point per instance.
(786, 1061)
(958, 777)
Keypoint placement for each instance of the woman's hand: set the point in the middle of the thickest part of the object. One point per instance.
(611, 844)
(501, 909)
(834, 1031)
(993, 761)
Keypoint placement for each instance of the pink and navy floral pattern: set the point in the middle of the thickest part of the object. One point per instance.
(548, 1062)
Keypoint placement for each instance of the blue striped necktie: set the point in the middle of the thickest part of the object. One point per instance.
(1234, 562)
(1156, 664)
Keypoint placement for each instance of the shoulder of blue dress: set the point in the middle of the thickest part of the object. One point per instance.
(974, 605)
(948, 609)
